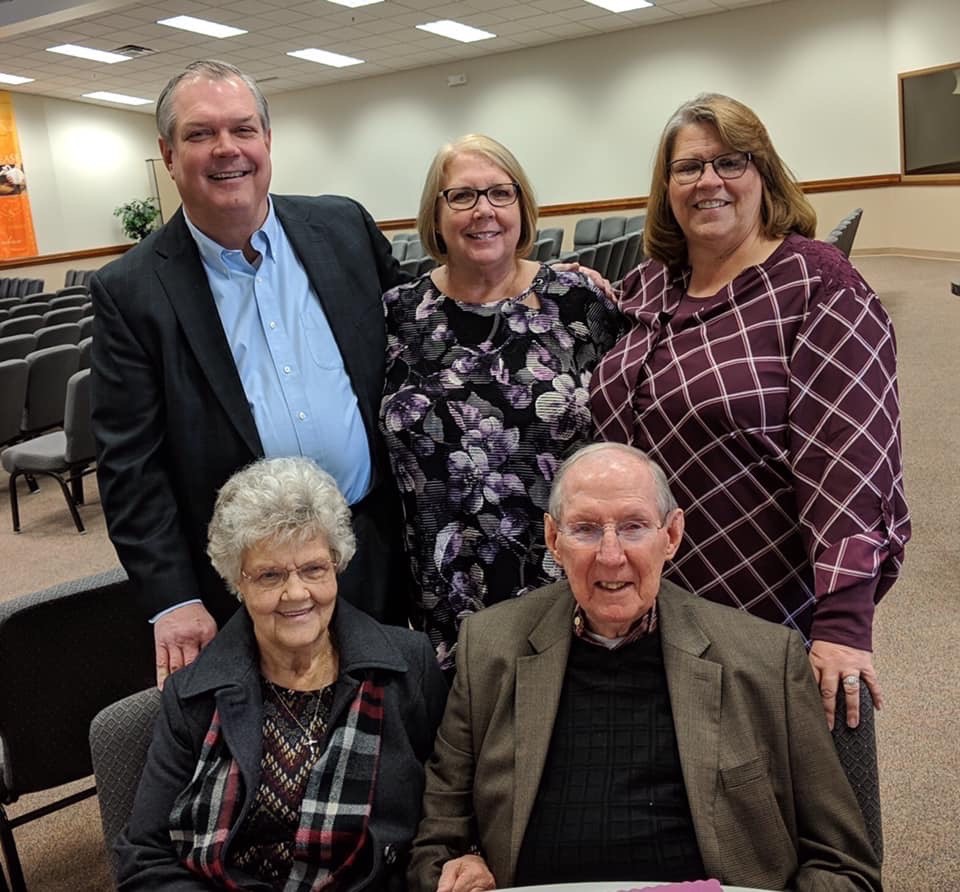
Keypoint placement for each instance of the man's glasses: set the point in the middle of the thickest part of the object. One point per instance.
(463, 198)
(730, 166)
(273, 578)
(590, 535)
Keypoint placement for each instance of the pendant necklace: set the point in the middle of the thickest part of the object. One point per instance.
(310, 730)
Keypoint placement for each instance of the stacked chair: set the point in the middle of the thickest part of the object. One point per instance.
(19, 287)
(845, 231)
(65, 653)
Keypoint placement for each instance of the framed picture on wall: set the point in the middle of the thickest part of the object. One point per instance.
(930, 122)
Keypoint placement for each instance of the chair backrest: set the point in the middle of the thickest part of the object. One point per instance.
(20, 325)
(86, 327)
(541, 246)
(7, 303)
(120, 736)
(67, 333)
(586, 232)
(611, 228)
(68, 300)
(414, 248)
(85, 345)
(635, 224)
(13, 392)
(601, 257)
(49, 371)
(17, 346)
(631, 254)
(31, 309)
(403, 236)
(587, 255)
(77, 277)
(410, 265)
(76, 419)
(849, 226)
(555, 234)
(65, 653)
(617, 248)
(67, 314)
(398, 247)
(73, 291)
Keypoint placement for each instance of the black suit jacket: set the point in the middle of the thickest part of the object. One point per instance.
(170, 415)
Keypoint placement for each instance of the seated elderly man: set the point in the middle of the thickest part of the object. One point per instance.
(615, 727)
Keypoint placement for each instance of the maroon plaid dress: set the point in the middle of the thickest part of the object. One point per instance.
(773, 407)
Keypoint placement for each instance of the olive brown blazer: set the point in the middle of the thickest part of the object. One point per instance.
(771, 805)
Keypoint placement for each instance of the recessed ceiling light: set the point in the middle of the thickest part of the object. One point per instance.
(201, 26)
(117, 97)
(456, 31)
(621, 5)
(84, 52)
(325, 58)
(14, 79)
(353, 4)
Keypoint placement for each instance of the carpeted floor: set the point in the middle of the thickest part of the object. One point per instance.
(917, 625)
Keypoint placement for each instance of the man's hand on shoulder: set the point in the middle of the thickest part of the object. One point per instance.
(179, 636)
(466, 874)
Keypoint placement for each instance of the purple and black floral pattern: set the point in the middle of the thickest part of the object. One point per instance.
(481, 405)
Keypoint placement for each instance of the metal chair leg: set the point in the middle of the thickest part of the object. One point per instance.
(9, 847)
(14, 506)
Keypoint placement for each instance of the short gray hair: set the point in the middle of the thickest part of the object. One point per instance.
(278, 499)
(213, 70)
(665, 500)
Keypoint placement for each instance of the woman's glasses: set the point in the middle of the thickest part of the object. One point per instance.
(729, 166)
(463, 198)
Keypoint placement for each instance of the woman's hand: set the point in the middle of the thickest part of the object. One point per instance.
(467, 874)
(835, 666)
(592, 274)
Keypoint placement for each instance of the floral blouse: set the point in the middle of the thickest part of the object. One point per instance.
(482, 403)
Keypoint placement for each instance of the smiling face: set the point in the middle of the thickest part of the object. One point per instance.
(613, 584)
(485, 236)
(219, 157)
(294, 617)
(715, 215)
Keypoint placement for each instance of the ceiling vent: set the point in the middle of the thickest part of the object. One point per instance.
(133, 51)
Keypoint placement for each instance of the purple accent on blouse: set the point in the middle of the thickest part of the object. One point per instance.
(773, 408)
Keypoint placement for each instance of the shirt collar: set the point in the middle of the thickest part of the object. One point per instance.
(222, 259)
(646, 625)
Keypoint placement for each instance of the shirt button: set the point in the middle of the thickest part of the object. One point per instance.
(273, 324)
(286, 370)
(302, 416)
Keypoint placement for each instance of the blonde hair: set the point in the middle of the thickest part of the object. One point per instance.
(783, 208)
(494, 152)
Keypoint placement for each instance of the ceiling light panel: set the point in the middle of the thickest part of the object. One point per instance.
(324, 57)
(117, 97)
(353, 4)
(456, 31)
(14, 79)
(201, 26)
(85, 52)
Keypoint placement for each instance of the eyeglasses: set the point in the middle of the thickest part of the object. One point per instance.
(463, 198)
(730, 166)
(273, 578)
(590, 535)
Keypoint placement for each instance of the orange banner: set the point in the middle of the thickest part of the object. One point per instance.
(17, 238)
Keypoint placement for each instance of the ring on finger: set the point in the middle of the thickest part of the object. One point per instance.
(851, 681)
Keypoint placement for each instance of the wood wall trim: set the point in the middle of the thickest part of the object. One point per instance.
(603, 206)
(64, 257)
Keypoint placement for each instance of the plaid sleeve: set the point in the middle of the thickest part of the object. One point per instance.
(844, 419)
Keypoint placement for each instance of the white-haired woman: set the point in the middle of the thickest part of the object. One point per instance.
(290, 754)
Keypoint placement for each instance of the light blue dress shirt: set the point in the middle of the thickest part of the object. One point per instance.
(290, 366)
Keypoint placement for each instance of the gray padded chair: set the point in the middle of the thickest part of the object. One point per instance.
(120, 736)
(7, 302)
(67, 333)
(17, 346)
(614, 264)
(611, 228)
(65, 455)
(76, 277)
(86, 327)
(414, 248)
(635, 224)
(34, 309)
(631, 254)
(58, 302)
(586, 232)
(410, 266)
(20, 325)
(398, 247)
(65, 653)
(67, 314)
(601, 257)
(73, 291)
(49, 371)
(555, 234)
(13, 392)
(85, 345)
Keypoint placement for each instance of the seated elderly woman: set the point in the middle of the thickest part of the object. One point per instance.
(290, 754)
(615, 727)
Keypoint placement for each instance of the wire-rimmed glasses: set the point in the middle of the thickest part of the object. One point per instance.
(589, 535)
(271, 579)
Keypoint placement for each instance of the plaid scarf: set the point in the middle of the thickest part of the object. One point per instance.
(334, 815)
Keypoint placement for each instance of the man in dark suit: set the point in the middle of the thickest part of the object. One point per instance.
(614, 727)
(249, 325)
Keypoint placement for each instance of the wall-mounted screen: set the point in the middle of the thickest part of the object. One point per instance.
(930, 121)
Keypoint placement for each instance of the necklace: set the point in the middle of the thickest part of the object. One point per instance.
(308, 732)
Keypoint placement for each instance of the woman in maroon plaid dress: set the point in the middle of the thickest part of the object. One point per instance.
(760, 371)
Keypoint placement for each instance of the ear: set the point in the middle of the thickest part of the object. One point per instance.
(166, 152)
(550, 533)
(674, 529)
(267, 138)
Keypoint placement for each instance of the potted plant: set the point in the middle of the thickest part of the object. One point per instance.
(138, 217)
